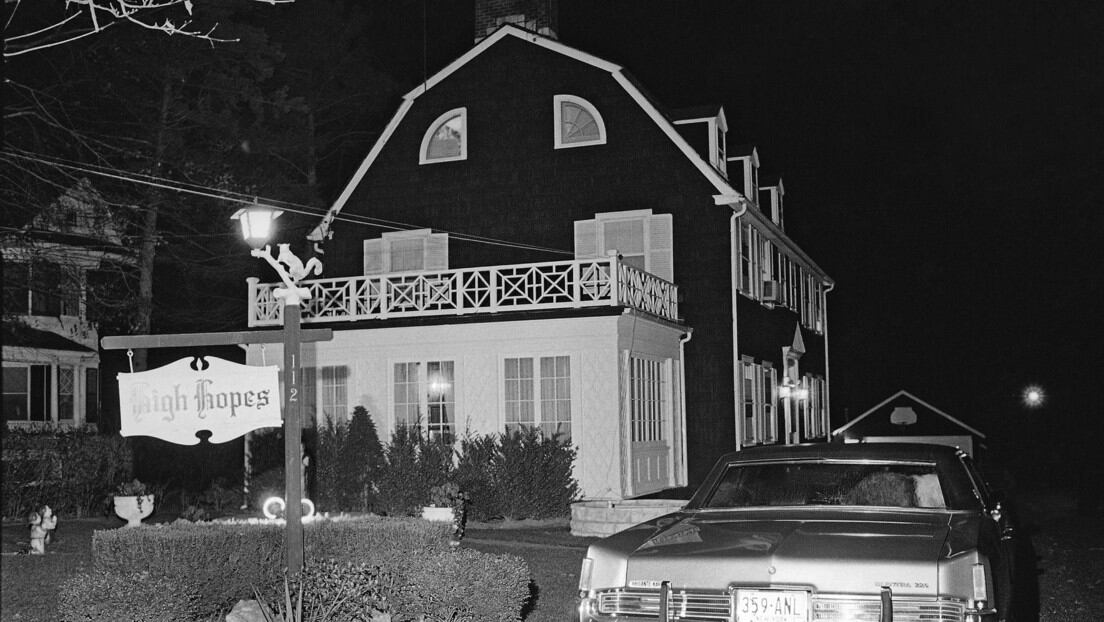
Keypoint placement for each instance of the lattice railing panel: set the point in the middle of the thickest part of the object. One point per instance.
(553, 285)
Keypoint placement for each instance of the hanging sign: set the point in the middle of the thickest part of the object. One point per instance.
(178, 400)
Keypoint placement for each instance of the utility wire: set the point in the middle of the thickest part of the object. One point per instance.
(249, 199)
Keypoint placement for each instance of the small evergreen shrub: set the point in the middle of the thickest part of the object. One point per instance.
(518, 474)
(463, 584)
(350, 459)
(413, 465)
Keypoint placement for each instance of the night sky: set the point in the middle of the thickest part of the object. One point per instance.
(943, 162)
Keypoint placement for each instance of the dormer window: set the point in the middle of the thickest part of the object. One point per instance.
(771, 202)
(748, 175)
(404, 251)
(577, 123)
(446, 140)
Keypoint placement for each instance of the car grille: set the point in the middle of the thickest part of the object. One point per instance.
(694, 606)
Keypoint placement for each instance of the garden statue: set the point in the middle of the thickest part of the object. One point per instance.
(42, 523)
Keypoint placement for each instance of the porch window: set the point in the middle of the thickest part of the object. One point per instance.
(552, 411)
(27, 392)
(335, 402)
(424, 395)
(646, 399)
(66, 390)
(446, 140)
(578, 123)
(92, 395)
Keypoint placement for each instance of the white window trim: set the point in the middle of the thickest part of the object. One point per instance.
(423, 393)
(557, 116)
(428, 136)
(538, 415)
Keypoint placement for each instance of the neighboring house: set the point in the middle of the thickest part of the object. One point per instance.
(590, 263)
(50, 349)
(905, 418)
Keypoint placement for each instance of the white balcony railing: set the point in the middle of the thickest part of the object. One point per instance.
(493, 289)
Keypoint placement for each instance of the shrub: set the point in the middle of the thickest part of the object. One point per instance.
(518, 474)
(126, 597)
(414, 464)
(222, 561)
(463, 584)
(349, 458)
(71, 470)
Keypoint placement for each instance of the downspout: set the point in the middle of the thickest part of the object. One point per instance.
(734, 262)
(684, 464)
(827, 376)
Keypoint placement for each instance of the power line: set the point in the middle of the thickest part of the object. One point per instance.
(248, 199)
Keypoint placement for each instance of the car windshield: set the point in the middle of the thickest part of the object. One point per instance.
(898, 485)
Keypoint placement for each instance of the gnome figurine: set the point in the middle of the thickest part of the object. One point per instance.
(43, 522)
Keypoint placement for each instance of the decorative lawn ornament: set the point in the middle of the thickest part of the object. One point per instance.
(43, 522)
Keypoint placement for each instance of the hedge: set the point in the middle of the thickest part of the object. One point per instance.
(405, 562)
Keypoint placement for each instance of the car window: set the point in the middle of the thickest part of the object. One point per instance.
(828, 483)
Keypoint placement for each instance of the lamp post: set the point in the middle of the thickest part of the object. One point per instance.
(256, 223)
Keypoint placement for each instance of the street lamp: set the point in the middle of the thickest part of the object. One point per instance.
(256, 223)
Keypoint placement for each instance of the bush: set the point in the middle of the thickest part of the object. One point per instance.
(126, 597)
(517, 475)
(413, 465)
(71, 470)
(466, 585)
(349, 460)
(376, 559)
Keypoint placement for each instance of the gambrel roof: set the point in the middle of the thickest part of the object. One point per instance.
(725, 193)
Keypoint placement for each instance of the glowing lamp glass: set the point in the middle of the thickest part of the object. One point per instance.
(256, 223)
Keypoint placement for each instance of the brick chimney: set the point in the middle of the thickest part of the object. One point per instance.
(539, 16)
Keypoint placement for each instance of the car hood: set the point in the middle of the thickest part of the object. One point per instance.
(829, 551)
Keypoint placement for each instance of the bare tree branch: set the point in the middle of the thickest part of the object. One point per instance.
(82, 18)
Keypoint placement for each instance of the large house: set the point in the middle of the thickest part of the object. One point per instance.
(534, 241)
(50, 348)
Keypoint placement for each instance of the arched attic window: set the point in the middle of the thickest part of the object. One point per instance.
(578, 123)
(446, 140)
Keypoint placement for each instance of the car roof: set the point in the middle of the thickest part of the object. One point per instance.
(926, 452)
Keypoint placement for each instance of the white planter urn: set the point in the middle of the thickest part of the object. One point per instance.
(437, 514)
(133, 509)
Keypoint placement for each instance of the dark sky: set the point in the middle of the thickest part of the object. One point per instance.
(943, 161)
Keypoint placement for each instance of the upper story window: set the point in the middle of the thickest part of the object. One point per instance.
(42, 288)
(577, 123)
(402, 251)
(642, 239)
(446, 140)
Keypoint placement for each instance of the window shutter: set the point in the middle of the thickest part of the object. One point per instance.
(436, 252)
(586, 239)
(373, 256)
(661, 254)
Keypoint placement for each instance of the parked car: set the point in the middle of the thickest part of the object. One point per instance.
(825, 532)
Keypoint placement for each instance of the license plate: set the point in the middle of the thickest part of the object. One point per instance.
(772, 606)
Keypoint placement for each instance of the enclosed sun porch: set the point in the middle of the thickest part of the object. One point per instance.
(589, 349)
